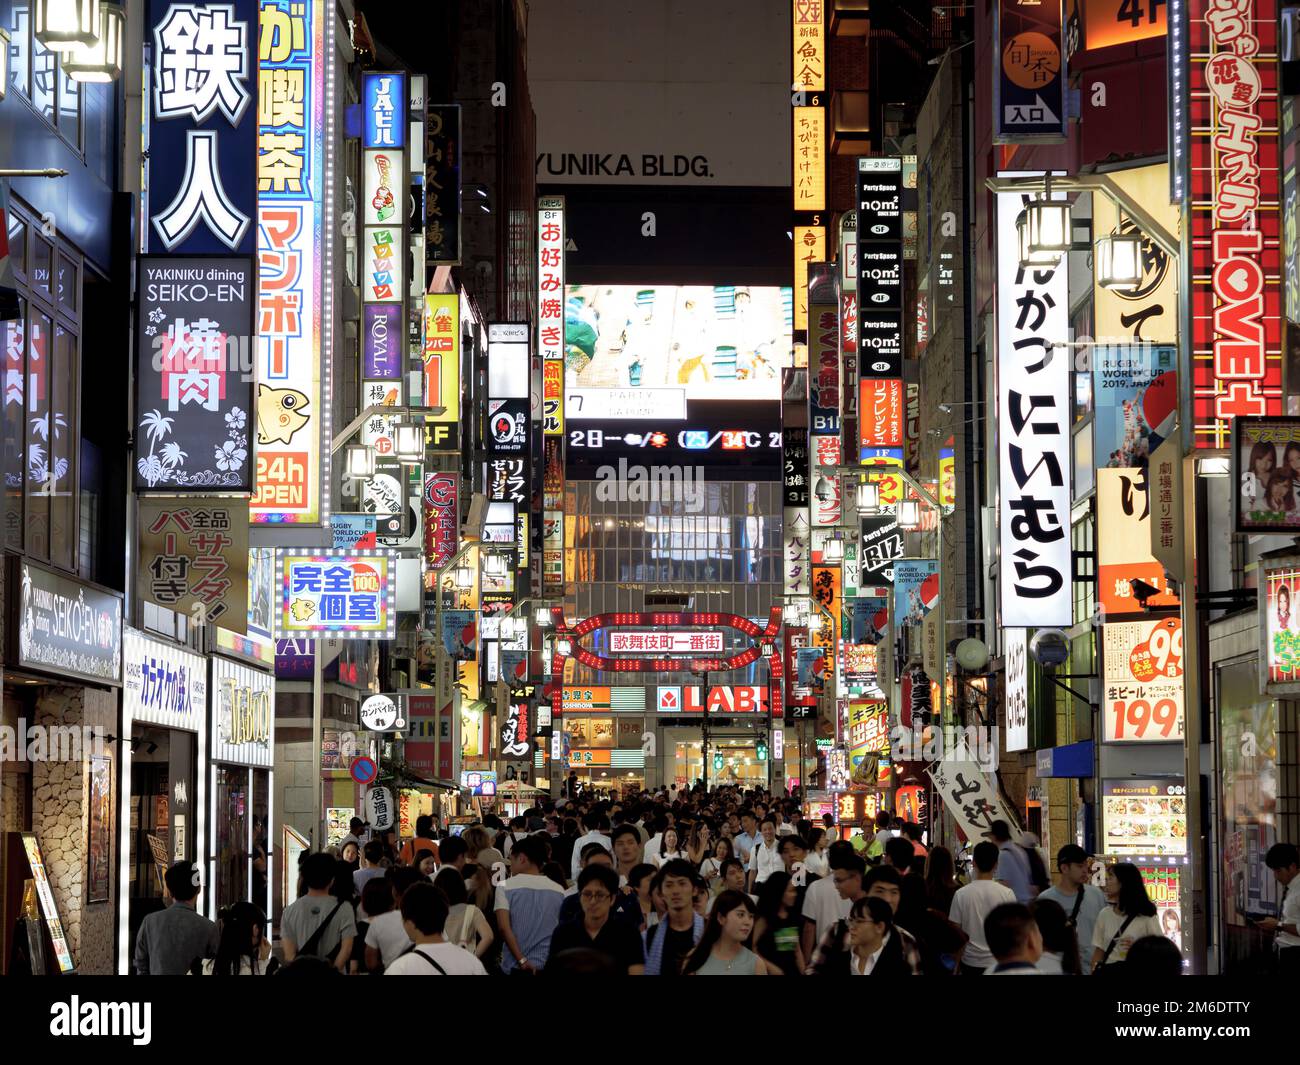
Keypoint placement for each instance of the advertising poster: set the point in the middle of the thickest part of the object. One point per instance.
(1143, 680)
(811, 669)
(682, 343)
(1164, 888)
(1124, 544)
(870, 618)
(861, 668)
(460, 634)
(1279, 590)
(194, 552)
(868, 742)
(338, 820)
(916, 590)
(1266, 475)
(1144, 817)
(353, 530)
(1135, 396)
(296, 59)
(49, 907)
(337, 591)
(194, 394)
(99, 842)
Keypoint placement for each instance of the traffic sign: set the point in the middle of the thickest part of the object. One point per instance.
(363, 770)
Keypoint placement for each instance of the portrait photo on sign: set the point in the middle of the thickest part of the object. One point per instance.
(1266, 475)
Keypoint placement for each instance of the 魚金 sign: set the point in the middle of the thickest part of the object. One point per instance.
(194, 552)
(194, 390)
(351, 592)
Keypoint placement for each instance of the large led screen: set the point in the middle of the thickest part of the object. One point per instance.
(647, 352)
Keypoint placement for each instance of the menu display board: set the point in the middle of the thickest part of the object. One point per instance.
(49, 909)
(1144, 817)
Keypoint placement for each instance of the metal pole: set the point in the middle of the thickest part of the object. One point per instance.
(317, 732)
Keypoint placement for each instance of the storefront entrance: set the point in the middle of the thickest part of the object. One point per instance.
(732, 759)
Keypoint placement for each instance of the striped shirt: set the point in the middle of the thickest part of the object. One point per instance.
(533, 902)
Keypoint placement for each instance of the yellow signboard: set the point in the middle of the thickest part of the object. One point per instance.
(809, 247)
(809, 41)
(809, 154)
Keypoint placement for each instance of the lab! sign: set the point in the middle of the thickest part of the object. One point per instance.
(722, 700)
(337, 591)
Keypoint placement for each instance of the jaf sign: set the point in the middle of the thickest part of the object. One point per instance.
(1235, 228)
(295, 62)
(351, 592)
(201, 119)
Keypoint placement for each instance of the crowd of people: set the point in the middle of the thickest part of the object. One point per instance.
(724, 882)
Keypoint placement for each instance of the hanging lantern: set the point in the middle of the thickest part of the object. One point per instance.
(60, 23)
(100, 62)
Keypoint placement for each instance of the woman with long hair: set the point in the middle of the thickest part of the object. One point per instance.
(1130, 916)
(481, 852)
(721, 950)
(350, 852)
(700, 844)
(940, 879)
(776, 932)
(668, 848)
(425, 862)
(244, 949)
(711, 867)
(1060, 944)
(466, 926)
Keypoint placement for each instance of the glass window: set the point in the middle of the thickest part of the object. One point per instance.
(70, 109)
(62, 429)
(17, 244)
(68, 284)
(37, 435)
(42, 263)
(15, 357)
(44, 76)
(19, 28)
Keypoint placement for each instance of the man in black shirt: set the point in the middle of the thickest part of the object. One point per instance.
(597, 931)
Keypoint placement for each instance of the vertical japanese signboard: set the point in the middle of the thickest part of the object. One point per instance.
(1033, 433)
(1029, 79)
(808, 39)
(1235, 225)
(442, 356)
(810, 158)
(441, 518)
(550, 311)
(295, 58)
(809, 248)
(880, 311)
(201, 119)
(442, 185)
(194, 320)
(824, 385)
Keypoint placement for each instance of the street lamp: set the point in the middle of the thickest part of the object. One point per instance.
(1119, 261)
(359, 461)
(868, 497)
(464, 578)
(833, 549)
(408, 443)
(59, 23)
(909, 514)
(4, 61)
(100, 62)
(564, 648)
(1044, 232)
(494, 565)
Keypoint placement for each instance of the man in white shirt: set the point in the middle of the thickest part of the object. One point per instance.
(733, 879)
(783, 827)
(597, 826)
(974, 902)
(765, 859)
(1082, 901)
(386, 937)
(1284, 860)
(823, 905)
(651, 850)
(424, 916)
(743, 844)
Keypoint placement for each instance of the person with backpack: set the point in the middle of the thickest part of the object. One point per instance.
(318, 924)
(424, 917)
(1015, 865)
(1081, 900)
